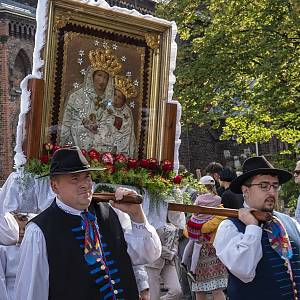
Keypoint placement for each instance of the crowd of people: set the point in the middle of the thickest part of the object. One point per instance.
(80, 249)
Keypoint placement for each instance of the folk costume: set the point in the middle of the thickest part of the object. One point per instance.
(206, 269)
(263, 261)
(201, 230)
(210, 273)
(72, 254)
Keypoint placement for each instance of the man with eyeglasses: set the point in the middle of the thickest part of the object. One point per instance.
(297, 181)
(262, 258)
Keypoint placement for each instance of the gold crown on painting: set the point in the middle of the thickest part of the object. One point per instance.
(126, 86)
(104, 60)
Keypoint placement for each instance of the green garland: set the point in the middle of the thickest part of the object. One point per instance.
(159, 180)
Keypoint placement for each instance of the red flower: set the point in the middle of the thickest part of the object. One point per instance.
(132, 163)
(84, 152)
(121, 158)
(152, 163)
(144, 163)
(107, 158)
(45, 158)
(48, 146)
(177, 179)
(93, 154)
(56, 147)
(166, 165)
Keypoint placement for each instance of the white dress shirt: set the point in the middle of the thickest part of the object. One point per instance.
(240, 252)
(32, 282)
(9, 260)
(9, 229)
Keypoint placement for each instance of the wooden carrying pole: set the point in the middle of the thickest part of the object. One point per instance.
(225, 212)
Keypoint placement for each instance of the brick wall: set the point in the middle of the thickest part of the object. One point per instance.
(15, 64)
(201, 145)
(4, 100)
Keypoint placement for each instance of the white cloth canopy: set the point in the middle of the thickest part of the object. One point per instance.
(9, 229)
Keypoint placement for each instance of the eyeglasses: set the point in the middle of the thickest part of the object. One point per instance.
(296, 173)
(265, 186)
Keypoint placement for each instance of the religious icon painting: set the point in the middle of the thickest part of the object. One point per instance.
(106, 79)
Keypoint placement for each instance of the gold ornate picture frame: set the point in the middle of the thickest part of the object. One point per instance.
(134, 52)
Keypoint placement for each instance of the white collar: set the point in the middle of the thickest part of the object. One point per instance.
(246, 205)
(67, 209)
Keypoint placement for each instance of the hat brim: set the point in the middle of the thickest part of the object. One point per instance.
(72, 172)
(236, 184)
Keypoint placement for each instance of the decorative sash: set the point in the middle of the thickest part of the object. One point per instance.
(278, 238)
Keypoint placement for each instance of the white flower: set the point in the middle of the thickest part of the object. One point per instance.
(96, 42)
(128, 74)
(123, 58)
(82, 136)
(115, 46)
(80, 60)
(81, 52)
(83, 71)
(76, 85)
(82, 113)
(105, 45)
(132, 104)
(136, 83)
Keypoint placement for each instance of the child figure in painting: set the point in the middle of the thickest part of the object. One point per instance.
(118, 122)
(9, 260)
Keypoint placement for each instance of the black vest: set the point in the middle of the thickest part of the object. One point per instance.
(272, 281)
(70, 277)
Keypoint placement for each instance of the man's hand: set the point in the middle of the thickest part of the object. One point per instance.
(135, 211)
(247, 217)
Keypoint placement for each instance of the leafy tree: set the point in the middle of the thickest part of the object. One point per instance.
(239, 61)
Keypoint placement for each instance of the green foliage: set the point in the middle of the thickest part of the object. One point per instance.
(36, 167)
(289, 191)
(239, 61)
(156, 182)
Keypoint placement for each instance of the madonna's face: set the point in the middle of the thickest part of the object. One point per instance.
(100, 79)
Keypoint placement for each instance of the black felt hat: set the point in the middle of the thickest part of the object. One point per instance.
(258, 165)
(227, 175)
(69, 160)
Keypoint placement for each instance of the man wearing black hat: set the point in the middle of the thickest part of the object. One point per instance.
(229, 199)
(76, 249)
(262, 259)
